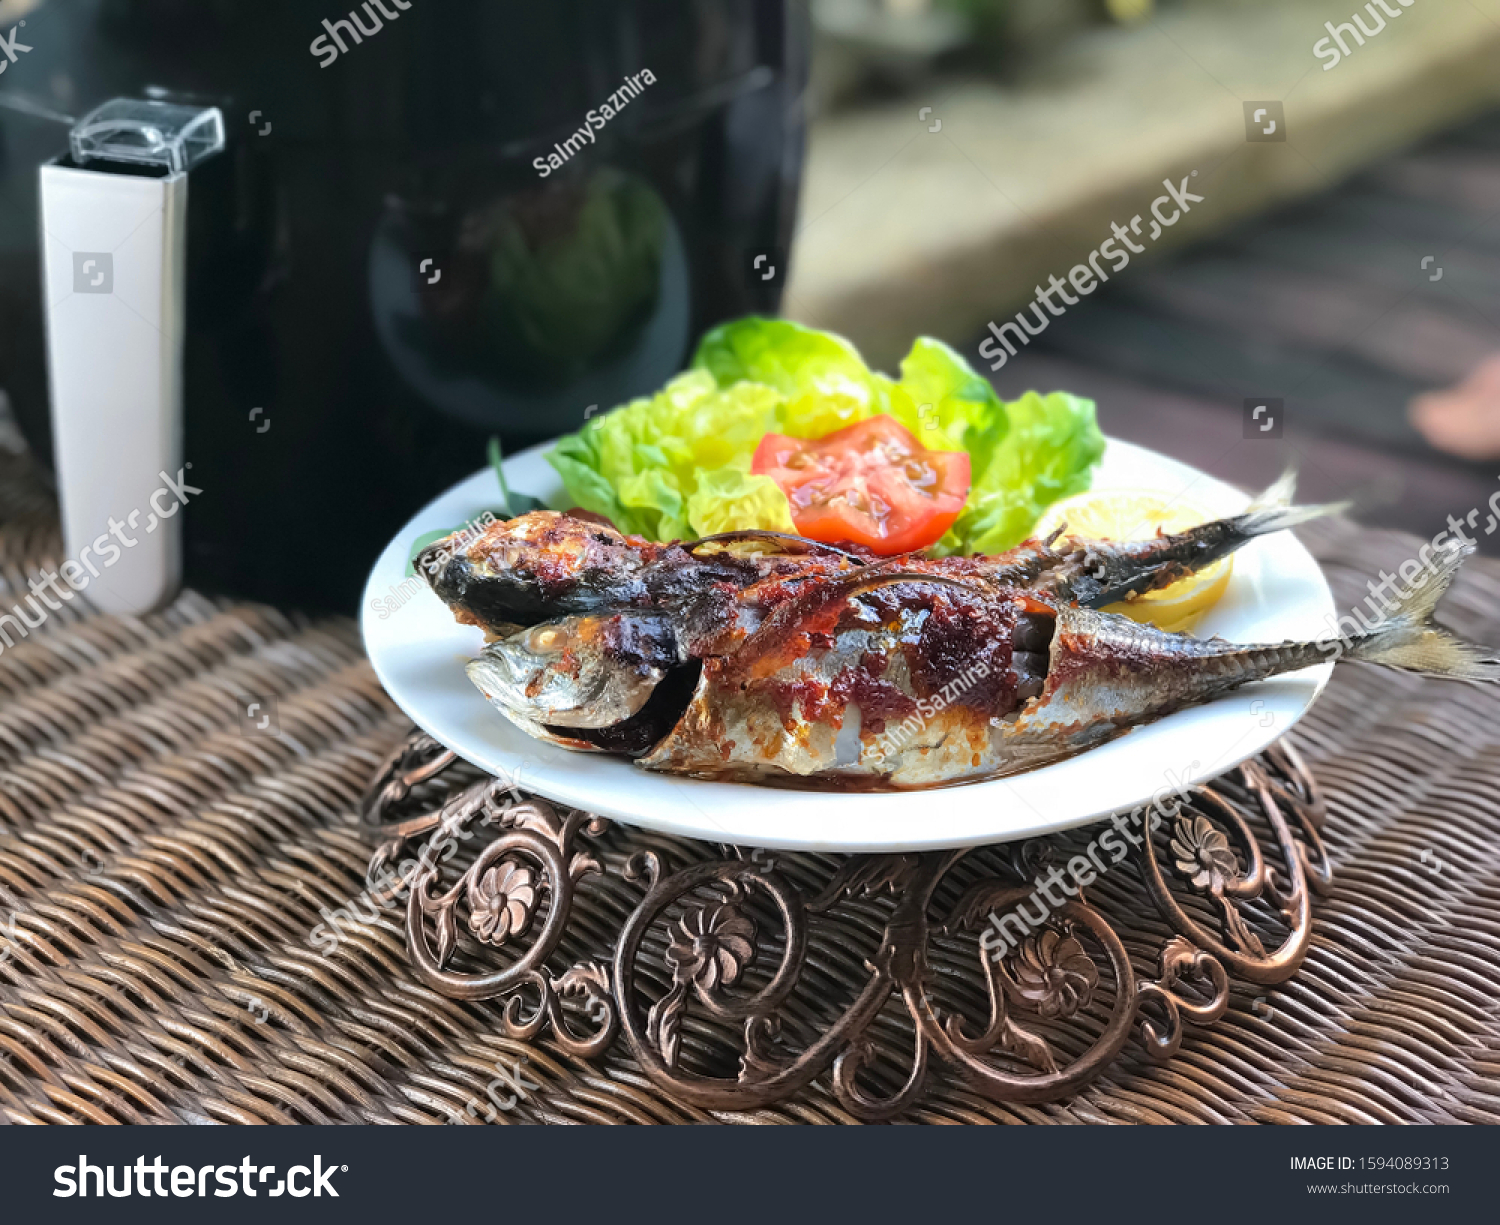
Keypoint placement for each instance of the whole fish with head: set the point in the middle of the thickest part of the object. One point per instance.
(765, 658)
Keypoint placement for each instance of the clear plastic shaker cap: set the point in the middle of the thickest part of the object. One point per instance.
(147, 133)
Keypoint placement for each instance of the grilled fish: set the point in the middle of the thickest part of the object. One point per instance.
(907, 681)
(759, 657)
(544, 565)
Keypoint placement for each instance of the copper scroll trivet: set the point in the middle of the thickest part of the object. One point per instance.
(728, 997)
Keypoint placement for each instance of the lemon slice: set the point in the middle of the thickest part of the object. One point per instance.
(1138, 514)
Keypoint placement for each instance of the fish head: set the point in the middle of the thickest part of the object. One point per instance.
(533, 568)
(578, 672)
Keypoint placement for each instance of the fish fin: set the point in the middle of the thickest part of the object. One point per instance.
(1279, 493)
(1100, 572)
(1410, 639)
(1272, 510)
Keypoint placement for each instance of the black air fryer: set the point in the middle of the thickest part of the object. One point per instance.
(323, 255)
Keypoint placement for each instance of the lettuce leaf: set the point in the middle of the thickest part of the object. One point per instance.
(799, 362)
(1049, 453)
(946, 405)
(677, 464)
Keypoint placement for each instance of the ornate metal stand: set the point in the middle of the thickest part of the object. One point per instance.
(730, 998)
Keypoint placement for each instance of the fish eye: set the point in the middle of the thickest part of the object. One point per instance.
(546, 640)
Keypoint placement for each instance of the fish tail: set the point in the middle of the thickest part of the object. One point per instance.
(1108, 572)
(1409, 638)
(1273, 511)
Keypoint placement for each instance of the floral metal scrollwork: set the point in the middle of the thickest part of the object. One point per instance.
(704, 977)
(532, 859)
(1210, 836)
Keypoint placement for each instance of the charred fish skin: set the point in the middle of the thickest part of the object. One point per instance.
(1108, 674)
(927, 716)
(596, 671)
(778, 709)
(545, 564)
(1095, 573)
(839, 684)
(1061, 570)
(535, 568)
(611, 683)
(704, 603)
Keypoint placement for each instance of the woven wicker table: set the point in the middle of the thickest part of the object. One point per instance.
(166, 864)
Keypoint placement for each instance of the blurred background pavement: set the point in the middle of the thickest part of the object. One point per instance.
(1344, 259)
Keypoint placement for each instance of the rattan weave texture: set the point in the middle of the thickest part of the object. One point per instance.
(161, 872)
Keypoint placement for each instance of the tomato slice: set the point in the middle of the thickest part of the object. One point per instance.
(871, 484)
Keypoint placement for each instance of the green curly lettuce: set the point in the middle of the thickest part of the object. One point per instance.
(677, 464)
(1048, 454)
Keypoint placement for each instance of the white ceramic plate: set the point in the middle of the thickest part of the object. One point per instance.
(1277, 592)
